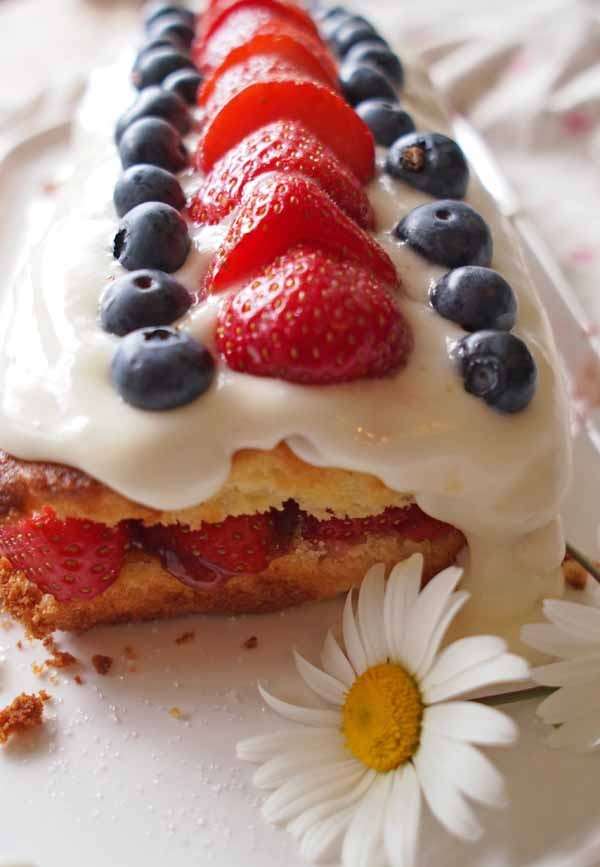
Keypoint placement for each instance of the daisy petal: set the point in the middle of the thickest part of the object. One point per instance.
(400, 595)
(506, 668)
(280, 768)
(369, 614)
(581, 735)
(463, 654)
(325, 686)
(581, 621)
(551, 640)
(562, 673)
(309, 716)
(310, 788)
(470, 721)
(363, 837)
(445, 801)
(324, 810)
(335, 662)
(464, 767)
(425, 614)
(263, 747)
(453, 606)
(354, 648)
(319, 844)
(402, 818)
(571, 701)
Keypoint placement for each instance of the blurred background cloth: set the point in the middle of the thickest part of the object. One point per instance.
(525, 72)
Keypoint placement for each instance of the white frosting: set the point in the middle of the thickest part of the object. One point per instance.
(498, 478)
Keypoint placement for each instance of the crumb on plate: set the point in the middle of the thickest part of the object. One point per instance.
(23, 713)
(102, 663)
(251, 643)
(185, 637)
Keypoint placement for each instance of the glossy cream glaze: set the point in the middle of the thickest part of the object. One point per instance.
(498, 478)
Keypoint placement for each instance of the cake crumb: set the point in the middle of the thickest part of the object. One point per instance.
(101, 663)
(78, 680)
(59, 658)
(176, 713)
(250, 643)
(19, 644)
(129, 652)
(185, 638)
(23, 713)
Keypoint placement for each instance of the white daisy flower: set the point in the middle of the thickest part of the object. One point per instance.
(572, 635)
(353, 776)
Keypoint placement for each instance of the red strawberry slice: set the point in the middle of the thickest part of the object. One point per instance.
(238, 42)
(238, 545)
(279, 211)
(410, 522)
(219, 11)
(73, 560)
(257, 67)
(282, 146)
(313, 318)
(315, 106)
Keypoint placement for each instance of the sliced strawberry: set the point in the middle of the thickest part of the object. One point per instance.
(73, 560)
(271, 37)
(257, 67)
(313, 318)
(220, 10)
(279, 211)
(315, 106)
(410, 522)
(283, 146)
(238, 545)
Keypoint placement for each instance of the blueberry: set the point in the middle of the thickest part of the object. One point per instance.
(174, 25)
(498, 367)
(152, 235)
(363, 81)
(185, 83)
(353, 31)
(161, 368)
(447, 233)
(145, 183)
(154, 11)
(475, 298)
(155, 65)
(142, 299)
(430, 162)
(386, 120)
(380, 55)
(152, 140)
(153, 44)
(156, 102)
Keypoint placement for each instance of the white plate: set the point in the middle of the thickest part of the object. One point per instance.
(115, 781)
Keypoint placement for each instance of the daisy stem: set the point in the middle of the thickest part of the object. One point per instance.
(584, 561)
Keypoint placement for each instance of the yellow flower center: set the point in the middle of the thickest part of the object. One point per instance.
(381, 717)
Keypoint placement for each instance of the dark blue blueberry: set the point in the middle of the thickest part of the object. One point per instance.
(362, 82)
(497, 367)
(154, 11)
(430, 162)
(156, 102)
(173, 25)
(386, 120)
(475, 298)
(161, 368)
(185, 83)
(152, 235)
(353, 31)
(448, 233)
(145, 183)
(152, 140)
(332, 23)
(155, 65)
(153, 44)
(142, 299)
(378, 54)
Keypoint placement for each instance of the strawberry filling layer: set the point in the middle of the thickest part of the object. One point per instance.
(75, 560)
